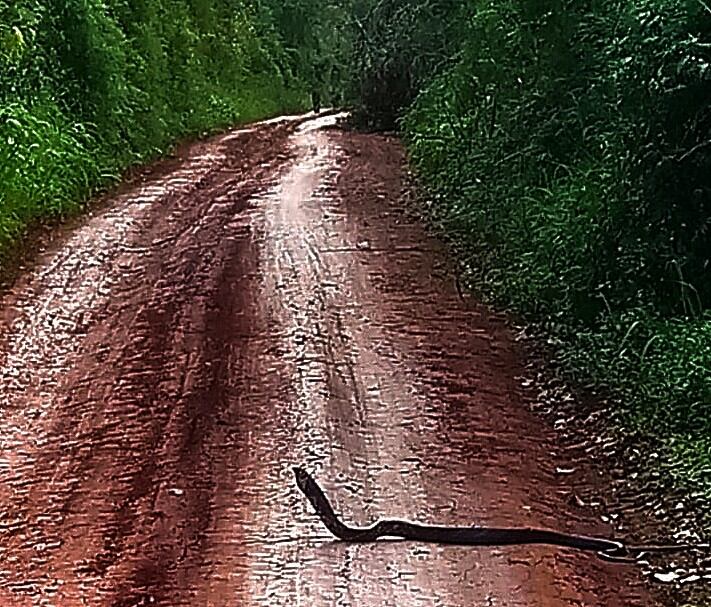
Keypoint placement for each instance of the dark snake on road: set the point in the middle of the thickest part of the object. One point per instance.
(470, 536)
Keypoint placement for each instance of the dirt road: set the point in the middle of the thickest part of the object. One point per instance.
(262, 301)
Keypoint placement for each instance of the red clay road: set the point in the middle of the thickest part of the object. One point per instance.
(262, 301)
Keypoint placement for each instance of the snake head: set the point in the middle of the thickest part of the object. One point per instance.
(302, 477)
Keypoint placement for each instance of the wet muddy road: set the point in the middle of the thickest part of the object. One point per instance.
(264, 301)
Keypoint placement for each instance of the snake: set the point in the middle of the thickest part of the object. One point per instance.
(607, 549)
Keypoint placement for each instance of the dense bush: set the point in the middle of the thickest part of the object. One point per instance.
(567, 148)
(397, 47)
(88, 87)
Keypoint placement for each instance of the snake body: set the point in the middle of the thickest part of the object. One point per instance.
(470, 536)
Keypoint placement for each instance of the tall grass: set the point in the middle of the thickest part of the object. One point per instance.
(45, 162)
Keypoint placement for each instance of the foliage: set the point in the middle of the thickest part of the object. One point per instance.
(567, 149)
(317, 42)
(397, 46)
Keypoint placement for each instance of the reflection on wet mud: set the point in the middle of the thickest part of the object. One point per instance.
(270, 304)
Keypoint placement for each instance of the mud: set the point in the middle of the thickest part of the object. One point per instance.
(268, 301)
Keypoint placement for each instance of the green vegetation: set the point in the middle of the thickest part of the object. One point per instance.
(567, 149)
(90, 87)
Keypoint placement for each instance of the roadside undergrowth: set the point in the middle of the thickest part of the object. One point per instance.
(566, 154)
